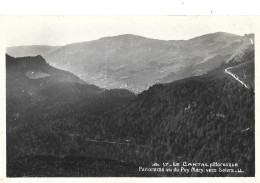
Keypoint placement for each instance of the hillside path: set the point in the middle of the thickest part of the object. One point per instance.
(235, 77)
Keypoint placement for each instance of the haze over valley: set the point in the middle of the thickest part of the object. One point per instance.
(136, 63)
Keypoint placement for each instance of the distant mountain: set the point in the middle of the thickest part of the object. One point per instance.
(135, 62)
(34, 50)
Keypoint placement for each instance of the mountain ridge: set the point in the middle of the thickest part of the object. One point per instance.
(130, 35)
(134, 62)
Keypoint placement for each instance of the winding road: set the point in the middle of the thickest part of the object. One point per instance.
(235, 77)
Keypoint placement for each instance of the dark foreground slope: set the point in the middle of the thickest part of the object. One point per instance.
(47, 108)
(74, 166)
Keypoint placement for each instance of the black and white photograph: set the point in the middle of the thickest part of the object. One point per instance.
(130, 96)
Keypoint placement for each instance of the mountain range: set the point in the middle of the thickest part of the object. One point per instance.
(136, 63)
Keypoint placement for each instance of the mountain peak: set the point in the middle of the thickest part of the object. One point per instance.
(215, 35)
(39, 57)
(125, 36)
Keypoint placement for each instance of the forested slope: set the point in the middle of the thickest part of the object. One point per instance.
(201, 119)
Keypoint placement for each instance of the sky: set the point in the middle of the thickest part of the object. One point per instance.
(62, 30)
